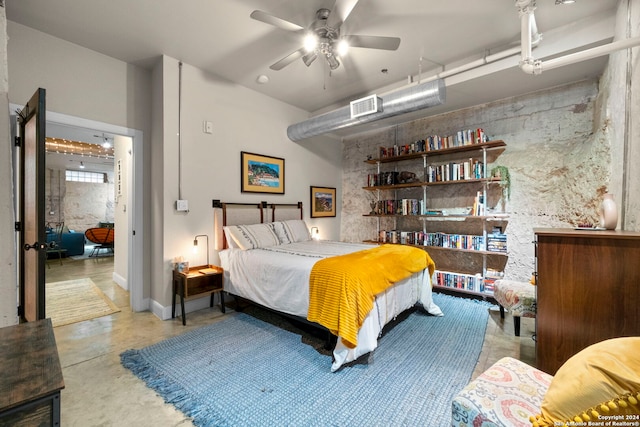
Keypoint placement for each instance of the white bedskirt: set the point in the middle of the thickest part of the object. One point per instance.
(278, 278)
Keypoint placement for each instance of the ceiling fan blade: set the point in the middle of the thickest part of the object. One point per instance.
(259, 15)
(340, 12)
(373, 42)
(288, 59)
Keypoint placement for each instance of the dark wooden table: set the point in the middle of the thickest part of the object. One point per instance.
(30, 375)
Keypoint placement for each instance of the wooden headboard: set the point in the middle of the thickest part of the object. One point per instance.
(231, 213)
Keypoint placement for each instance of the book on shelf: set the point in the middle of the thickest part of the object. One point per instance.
(491, 275)
(209, 270)
(435, 239)
(401, 150)
(496, 242)
(399, 207)
(469, 282)
(459, 139)
(478, 204)
(455, 171)
(435, 142)
(453, 241)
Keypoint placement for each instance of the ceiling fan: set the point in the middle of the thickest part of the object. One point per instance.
(323, 37)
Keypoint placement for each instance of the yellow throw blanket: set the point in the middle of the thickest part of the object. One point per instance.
(342, 288)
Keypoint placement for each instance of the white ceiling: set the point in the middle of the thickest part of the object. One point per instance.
(218, 36)
(72, 162)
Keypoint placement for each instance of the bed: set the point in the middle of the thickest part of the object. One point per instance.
(268, 257)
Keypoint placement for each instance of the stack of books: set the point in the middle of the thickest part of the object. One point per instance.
(468, 282)
(490, 278)
(497, 241)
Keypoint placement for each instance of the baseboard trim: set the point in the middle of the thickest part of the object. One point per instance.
(121, 281)
(164, 312)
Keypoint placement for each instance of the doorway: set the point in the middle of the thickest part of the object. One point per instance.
(131, 209)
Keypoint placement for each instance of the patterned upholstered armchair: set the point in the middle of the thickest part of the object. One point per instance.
(506, 394)
(599, 383)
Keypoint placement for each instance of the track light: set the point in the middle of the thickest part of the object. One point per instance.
(81, 165)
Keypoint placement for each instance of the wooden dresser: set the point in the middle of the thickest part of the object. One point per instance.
(588, 290)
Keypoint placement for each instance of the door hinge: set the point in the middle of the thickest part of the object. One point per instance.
(18, 226)
(20, 311)
(17, 141)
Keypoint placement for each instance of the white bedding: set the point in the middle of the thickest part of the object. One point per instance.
(278, 277)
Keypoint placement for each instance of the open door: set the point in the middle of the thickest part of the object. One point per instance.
(31, 197)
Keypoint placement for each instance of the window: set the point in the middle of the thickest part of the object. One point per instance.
(82, 176)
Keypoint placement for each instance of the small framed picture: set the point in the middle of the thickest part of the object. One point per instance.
(261, 174)
(323, 202)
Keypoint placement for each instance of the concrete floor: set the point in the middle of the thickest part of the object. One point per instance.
(100, 392)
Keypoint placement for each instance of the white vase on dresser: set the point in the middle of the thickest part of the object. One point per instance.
(608, 212)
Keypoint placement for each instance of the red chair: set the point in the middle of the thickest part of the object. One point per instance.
(102, 237)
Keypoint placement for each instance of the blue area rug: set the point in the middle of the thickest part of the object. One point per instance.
(242, 371)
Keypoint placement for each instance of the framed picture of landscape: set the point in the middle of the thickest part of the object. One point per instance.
(261, 174)
(323, 202)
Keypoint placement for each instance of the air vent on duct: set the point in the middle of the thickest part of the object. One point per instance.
(411, 98)
(364, 106)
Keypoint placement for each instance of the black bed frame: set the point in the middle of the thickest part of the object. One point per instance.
(262, 206)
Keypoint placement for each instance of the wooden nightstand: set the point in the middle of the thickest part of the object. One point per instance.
(198, 281)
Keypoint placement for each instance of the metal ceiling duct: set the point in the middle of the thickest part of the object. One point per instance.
(406, 100)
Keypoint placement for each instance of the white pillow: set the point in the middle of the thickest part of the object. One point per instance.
(231, 243)
(293, 230)
(254, 236)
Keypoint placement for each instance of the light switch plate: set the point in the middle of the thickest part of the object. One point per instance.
(182, 205)
(207, 127)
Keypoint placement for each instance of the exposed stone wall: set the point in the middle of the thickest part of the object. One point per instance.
(55, 187)
(558, 155)
(81, 205)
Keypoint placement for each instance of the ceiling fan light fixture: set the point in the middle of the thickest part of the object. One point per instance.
(310, 42)
(323, 36)
(309, 58)
(342, 48)
(333, 62)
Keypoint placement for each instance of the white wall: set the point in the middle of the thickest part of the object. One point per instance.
(8, 295)
(122, 166)
(79, 81)
(243, 120)
(85, 84)
(107, 90)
